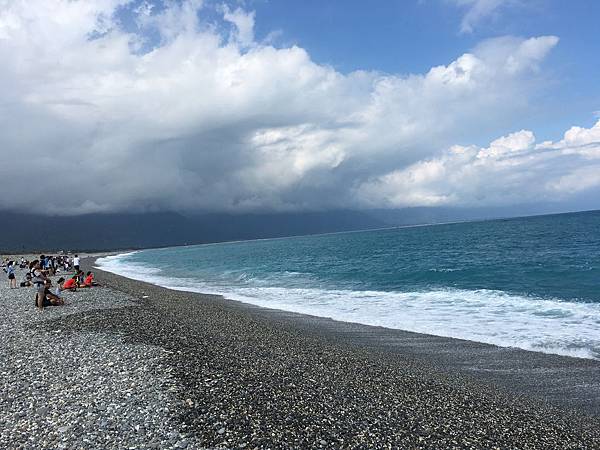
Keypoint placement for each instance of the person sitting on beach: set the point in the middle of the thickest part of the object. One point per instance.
(60, 286)
(89, 280)
(27, 280)
(70, 284)
(51, 299)
(79, 277)
(10, 270)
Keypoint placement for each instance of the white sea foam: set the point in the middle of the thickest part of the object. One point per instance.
(493, 317)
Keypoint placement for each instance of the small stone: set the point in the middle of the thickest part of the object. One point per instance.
(322, 442)
(221, 431)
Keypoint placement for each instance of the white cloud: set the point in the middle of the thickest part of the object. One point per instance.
(578, 137)
(204, 121)
(478, 11)
(244, 25)
(512, 169)
(509, 145)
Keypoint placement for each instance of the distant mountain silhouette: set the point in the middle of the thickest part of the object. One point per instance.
(95, 232)
(99, 232)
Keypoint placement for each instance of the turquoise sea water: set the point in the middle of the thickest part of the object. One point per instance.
(532, 283)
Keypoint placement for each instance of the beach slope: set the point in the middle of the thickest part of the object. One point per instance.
(142, 366)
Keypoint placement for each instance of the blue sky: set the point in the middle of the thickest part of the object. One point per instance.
(266, 105)
(410, 36)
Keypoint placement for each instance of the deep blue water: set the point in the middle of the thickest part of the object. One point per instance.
(531, 282)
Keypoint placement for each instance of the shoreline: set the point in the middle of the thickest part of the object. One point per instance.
(559, 380)
(243, 301)
(262, 357)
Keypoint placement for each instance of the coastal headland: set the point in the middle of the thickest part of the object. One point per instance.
(134, 365)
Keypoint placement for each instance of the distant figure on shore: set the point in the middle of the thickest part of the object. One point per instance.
(10, 270)
(76, 263)
(51, 265)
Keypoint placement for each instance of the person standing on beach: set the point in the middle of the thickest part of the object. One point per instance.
(38, 277)
(10, 270)
(76, 263)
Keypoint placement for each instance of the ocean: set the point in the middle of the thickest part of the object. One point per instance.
(531, 283)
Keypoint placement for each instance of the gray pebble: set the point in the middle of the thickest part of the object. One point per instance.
(182, 444)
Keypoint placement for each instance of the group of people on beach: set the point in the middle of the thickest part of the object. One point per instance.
(38, 275)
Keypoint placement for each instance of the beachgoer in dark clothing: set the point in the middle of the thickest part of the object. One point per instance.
(27, 280)
(12, 279)
(54, 299)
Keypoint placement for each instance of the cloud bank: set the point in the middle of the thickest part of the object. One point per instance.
(513, 169)
(171, 110)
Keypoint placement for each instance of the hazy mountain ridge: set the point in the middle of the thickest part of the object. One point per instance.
(100, 232)
(94, 232)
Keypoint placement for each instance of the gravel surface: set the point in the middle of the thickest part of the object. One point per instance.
(138, 366)
(66, 388)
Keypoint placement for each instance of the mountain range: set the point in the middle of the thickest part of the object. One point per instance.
(23, 232)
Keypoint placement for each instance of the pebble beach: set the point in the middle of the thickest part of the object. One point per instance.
(137, 366)
(63, 388)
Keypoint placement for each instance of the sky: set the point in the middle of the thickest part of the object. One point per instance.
(273, 105)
